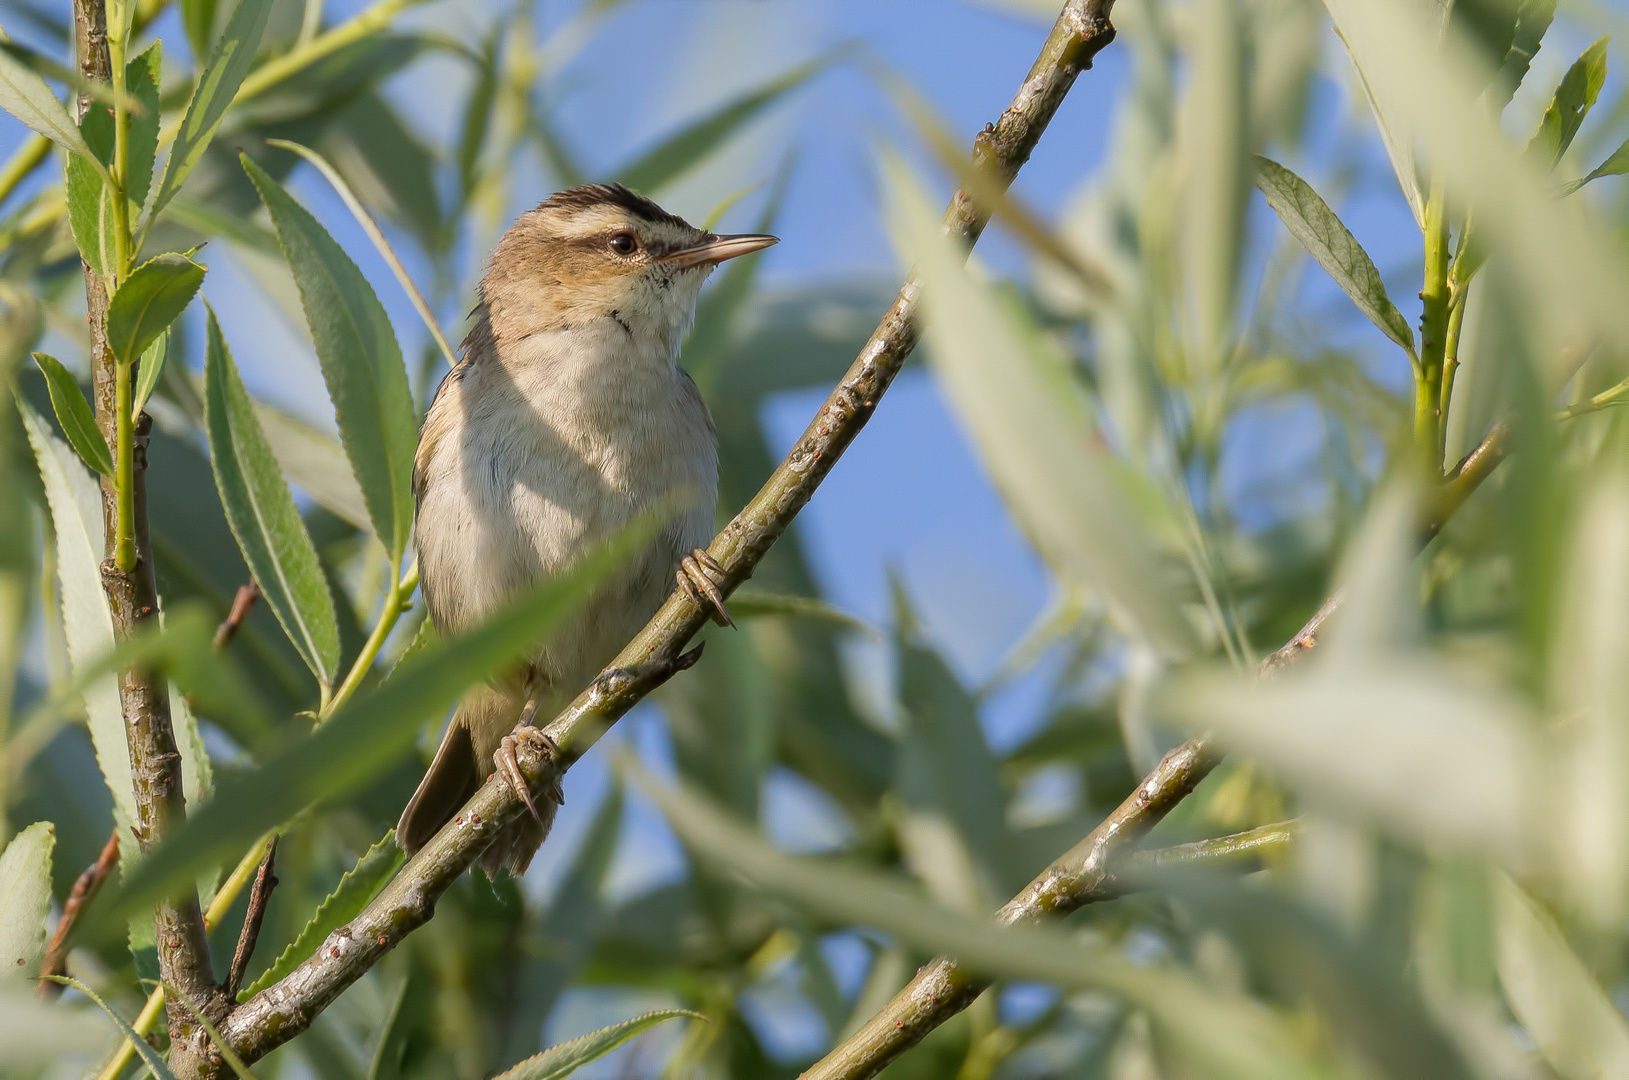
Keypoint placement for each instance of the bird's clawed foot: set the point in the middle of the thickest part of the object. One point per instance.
(700, 576)
(509, 767)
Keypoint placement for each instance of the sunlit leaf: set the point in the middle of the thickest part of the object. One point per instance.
(1579, 89)
(75, 503)
(755, 603)
(566, 1058)
(1399, 144)
(1615, 165)
(148, 301)
(1533, 18)
(24, 95)
(147, 373)
(218, 83)
(1214, 141)
(1230, 1038)
(141, 82)
(360, 884)
(263, 516)
(25, 900)
(1321, 232)
(680, 152)
(361, 362)
(74, 415)
(1578, 1029)
(1057, 482)
(370, 733)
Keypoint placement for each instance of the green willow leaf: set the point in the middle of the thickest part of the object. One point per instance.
(25, 899)
(566, 1058)
(755, 604)
(74, 415)
(263, 516)
(151, 367)
(75, 504)
(24, 94)
(148, 301)
(360, 884)
(1311, 221)
(669, 159)
(367, 735)
(228, 64)
(149, 1056)
(1533, 18)
(1615, 165)
(141, 82)
(1574, 97)
(198, 21)
(361, 362)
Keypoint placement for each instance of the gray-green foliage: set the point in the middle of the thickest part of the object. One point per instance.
(1453, 903)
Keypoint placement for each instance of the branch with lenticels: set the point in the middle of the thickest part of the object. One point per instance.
(285, 1009)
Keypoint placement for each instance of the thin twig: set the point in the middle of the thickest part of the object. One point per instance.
(287, 1008)
(242, 604)
(265, 882)
(85, 888)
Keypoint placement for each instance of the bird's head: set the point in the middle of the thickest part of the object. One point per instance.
(600, 253)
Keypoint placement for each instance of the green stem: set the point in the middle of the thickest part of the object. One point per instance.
(1450, 363)
(395, 604)
(1433, 328)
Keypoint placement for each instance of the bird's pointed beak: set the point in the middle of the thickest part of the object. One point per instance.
(718, 249)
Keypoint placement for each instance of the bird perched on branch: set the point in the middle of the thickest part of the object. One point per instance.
(566, 418)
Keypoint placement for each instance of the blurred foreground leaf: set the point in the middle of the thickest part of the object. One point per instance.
(566, 1058)
(25, 900)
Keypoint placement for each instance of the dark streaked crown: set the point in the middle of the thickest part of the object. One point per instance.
(590, 196)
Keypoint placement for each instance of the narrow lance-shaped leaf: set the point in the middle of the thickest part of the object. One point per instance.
(152, 365)
(1574, 97)
(361, 362)
(263, 516)
(1063, 490)
(674, 155)
(360, 884)
(1615, 165)
(1578, 1029)
(149, 1056)
(76, 523)
(25, 899)
(1533, 18)
(368, 734)
(566, 1058)
(74, 415)
(24, 94)
(141, 82)
(148, 301)
(1311, 221)
(228, 64)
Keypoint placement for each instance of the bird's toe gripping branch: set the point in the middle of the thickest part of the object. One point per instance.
(700, 576)
(509, 766)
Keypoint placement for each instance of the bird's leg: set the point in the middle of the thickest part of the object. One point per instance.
(699, 576)
(509, 766)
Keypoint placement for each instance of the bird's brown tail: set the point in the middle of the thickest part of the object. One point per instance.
(462, 762)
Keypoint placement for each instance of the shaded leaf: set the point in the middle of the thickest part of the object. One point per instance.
(151, 367)
(369, 733)
(1321, 232)
(361, 362)
(24, 94)
(360, 884)
(74, 415)
(141, 82)
(1574, 97)
(147, 301)
(1533, 18)
(1064, 490)
(149, 1056)
(198, 20)
(263, 516)
(674, 155)
(755, 603)
(568, 1057)
(75, 503)
(234, 52)
(1578, 1029)
(25, 900)
(1615, 165)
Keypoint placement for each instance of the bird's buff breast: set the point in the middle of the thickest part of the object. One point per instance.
(526, 468)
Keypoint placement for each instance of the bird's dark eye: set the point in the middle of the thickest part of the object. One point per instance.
(624, 243)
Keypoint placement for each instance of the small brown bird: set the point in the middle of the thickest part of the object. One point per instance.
(565, 419)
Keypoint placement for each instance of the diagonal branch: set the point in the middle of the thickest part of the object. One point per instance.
(1083, 875)
(132, 595)
(285, 1009)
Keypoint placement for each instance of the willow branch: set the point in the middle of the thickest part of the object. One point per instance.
(285, 1009)
(1084, 874)
(132, 594)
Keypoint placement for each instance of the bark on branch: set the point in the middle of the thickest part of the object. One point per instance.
(155, 763)
(285, 1009)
